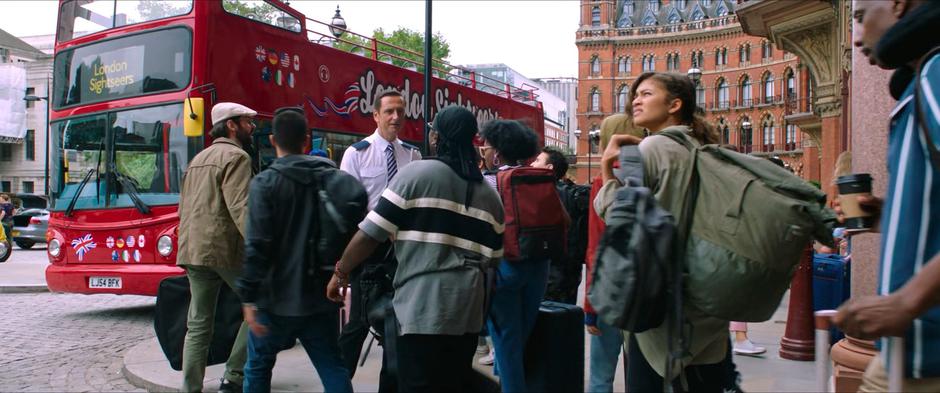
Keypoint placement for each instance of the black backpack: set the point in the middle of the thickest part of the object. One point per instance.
(635, 256)
(341, 205)
(576, 199)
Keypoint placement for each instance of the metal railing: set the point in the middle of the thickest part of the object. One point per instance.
(379, 51)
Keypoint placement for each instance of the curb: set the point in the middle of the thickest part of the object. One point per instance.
(137, 380)
(35, 288)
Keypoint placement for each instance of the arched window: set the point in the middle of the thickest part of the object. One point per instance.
(721, 10)
(722, 94)
(595, 100)
(768, 131)
(747, 135)
(680, 4)
(595, 16)
(595, 65)
(790, 137)
(717, 57)
(791, 85)
(701, 59)
(706, 3)
(768, 88)
(622, 99)
(766, 51)
(725, 135)
(622, 65)
(746, 91)
(654, 5)
(675, 61)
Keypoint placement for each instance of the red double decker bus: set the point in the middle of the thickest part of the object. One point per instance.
(133, 83)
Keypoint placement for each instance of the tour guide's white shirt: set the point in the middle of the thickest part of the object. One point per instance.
(369, 166)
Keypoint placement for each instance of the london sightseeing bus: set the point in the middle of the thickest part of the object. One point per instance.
(134, 82)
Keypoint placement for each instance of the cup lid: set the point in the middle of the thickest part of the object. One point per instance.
(852, 178)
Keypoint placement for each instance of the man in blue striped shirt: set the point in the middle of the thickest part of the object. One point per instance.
(899, 34)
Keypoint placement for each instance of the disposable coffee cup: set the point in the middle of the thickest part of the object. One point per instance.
(850, 188)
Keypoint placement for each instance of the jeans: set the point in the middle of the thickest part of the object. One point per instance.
(715, 377)
(436, 363)
(605, 353)
(317, 333)
(204, 284)
(514, 309)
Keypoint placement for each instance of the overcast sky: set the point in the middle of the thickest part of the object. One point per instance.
(534, 37)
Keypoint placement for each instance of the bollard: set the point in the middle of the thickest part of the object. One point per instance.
(797, 341)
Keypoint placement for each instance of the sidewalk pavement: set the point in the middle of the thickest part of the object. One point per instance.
(25, 271)
(146, 367)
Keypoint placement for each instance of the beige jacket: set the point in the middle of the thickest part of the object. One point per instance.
(213, 207)
(666, 166)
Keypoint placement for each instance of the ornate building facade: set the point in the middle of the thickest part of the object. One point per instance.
(753, 92)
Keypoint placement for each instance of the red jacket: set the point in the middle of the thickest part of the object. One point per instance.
(595, 231)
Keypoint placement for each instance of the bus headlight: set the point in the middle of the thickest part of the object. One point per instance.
(54, 248)
(165, 245)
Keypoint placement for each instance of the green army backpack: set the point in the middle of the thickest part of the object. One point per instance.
(752, 222)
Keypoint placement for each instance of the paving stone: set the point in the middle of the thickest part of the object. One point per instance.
(68, 342)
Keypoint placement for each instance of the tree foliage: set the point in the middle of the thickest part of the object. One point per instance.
(391, 45)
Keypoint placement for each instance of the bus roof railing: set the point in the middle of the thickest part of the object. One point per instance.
(441, 69)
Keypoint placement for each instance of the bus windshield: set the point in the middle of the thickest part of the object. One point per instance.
(82, 17)
(145, 146)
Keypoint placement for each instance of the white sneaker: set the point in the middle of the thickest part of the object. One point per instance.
(746, 347)
(488, 359)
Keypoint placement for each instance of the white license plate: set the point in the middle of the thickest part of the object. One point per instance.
(104, 282)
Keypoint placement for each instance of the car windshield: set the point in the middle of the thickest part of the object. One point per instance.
(145, 146)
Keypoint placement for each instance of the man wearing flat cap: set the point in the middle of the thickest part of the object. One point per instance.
(212, 210)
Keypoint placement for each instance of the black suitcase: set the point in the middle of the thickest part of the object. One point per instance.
(169, 321)
(554, 354)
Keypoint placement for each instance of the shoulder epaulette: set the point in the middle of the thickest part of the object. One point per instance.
(410, 146)
(361, 145)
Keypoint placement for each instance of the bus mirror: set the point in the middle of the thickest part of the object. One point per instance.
(193, 116)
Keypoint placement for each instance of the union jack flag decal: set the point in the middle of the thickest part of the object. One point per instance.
(82, 245)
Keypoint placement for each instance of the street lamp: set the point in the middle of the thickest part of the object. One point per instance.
(745, 130)
(338, 24)
(593, 137)
(33, 98)
(694, 74)
(577, 137)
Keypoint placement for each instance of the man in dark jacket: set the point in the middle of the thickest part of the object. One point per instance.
(282, 293)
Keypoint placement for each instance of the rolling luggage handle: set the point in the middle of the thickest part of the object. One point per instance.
(823, 320)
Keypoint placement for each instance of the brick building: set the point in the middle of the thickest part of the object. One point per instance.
(754, 93)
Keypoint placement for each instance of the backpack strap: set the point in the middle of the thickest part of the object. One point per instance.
(919, 116)
(631, 166)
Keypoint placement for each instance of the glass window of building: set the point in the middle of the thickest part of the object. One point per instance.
(721, 10)
(654, 5)
(725, 135)
(681, 4)
(746, 91)
(595, 16)
(768, 88)
(791, 85)
(29, 187)
(595, 101)
(722, 91)
(707, 3)
(790, 137)
(595, 65)
(6, 152)
(622, 65)
(593, 142)
(5, 186)
(30, 145)
(622, 99)
(769, 138)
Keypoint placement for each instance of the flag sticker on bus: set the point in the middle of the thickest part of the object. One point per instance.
(109, 242)
(260, 53)
(82, 245)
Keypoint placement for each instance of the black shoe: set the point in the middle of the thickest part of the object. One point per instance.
(229, 387)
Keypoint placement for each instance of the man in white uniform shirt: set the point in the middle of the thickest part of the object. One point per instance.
(375, 161)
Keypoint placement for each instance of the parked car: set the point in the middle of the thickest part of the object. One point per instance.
(29, 227)
(30, 201)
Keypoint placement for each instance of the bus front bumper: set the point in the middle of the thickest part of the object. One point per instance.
(139, 279)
